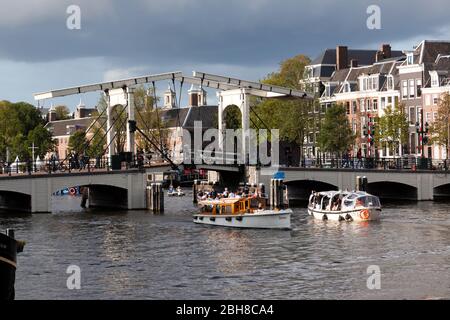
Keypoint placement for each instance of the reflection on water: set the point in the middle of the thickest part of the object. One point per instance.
(126, 255)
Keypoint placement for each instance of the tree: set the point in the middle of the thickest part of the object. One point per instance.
(20, 122)
(290, 117)
(42, 139)
(232, 117)
(78, 142)
(440, 129)
(62, 112)
(392, 128)
(335, 135)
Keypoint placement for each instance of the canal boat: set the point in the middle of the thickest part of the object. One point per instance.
(175, 192)
(9, 247)
(344, 206)
(246, 212)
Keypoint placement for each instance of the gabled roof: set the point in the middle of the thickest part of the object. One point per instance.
(364, 57)
(59, 128)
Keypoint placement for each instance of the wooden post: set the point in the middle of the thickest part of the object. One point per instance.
(155, 198)
(195, 190)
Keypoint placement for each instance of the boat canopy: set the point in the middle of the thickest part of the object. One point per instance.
(348, 200)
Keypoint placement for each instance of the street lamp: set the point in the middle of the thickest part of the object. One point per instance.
(422, 131)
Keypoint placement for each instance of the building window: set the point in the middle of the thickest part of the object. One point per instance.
(390, 83)
(369, 105)
(375, 105)
(383, 102)
(347, 107)
(412, 115)
(412, 89)
(427, 100)
(374, 83)
(361, 105)
(389, 100)
(354, 106)
(404, 89)
(434, 79)
(435, 116)
(419, 87)
(435, 100)
(410, 58)
(428, 117)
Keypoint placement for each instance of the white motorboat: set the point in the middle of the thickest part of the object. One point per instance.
(175, 192)
(344, 206)
(248, 212)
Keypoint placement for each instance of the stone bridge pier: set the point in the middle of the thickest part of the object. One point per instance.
(114, 189)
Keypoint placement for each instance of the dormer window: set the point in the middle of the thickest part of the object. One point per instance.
(434, 79)
(410, 58)
(390, 83)
(347, 87)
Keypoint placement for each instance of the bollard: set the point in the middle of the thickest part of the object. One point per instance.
(262, 189)
(195, 191)
(364, 183)
(358, 183)
(276, 193)
(155, 198)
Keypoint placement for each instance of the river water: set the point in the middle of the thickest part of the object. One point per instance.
(138, 255)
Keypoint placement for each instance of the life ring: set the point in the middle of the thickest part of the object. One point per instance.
(364, 214)
(72, 191)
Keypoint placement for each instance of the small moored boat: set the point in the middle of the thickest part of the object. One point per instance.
(344, 206)
(175, 192)
(246, 212)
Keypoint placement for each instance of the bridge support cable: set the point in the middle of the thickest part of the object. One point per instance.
(174, 166)
(112, 125)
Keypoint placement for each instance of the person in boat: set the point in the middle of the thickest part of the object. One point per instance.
(232, 195)
(179, 189)
(171, 189)
(225, 193)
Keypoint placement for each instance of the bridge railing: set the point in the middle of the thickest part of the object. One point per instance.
(81, 164)
(403, 163)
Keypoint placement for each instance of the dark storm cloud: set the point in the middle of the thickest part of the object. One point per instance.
(241, 32)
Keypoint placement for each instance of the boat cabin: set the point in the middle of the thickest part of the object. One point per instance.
(342, 201)
(233, 206)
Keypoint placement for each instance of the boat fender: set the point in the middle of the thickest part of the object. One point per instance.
(341, 218)
(212, 219)
(239, 218)
(72, 191)
(364, 214)
(348, 217)
(324, 217)
(201, 218)
(195, 217)
(228, 218)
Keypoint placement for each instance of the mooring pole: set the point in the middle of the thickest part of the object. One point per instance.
(155, 198)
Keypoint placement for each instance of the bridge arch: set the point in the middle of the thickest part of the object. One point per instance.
(13, 201)
(392, 190)
(442, 191)
(300, 190)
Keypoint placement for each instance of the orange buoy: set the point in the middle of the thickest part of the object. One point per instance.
(72, 191)
(364, 214)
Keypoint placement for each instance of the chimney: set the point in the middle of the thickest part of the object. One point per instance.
(379, 56)
(353, 63)
(387, 52)
(341, 57)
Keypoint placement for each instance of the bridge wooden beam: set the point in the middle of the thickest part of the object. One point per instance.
(108, 85)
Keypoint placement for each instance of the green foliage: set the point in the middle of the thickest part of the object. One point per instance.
(232, 117)
(289, 116)
(392, 128)
(439, 130)
(21, 125)
(78, 142)
(335, 135)
(42, 139)
(62, 112)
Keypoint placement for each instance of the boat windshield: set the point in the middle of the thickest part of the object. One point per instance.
(369, 201)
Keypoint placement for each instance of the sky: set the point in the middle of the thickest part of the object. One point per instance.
(245, 39)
